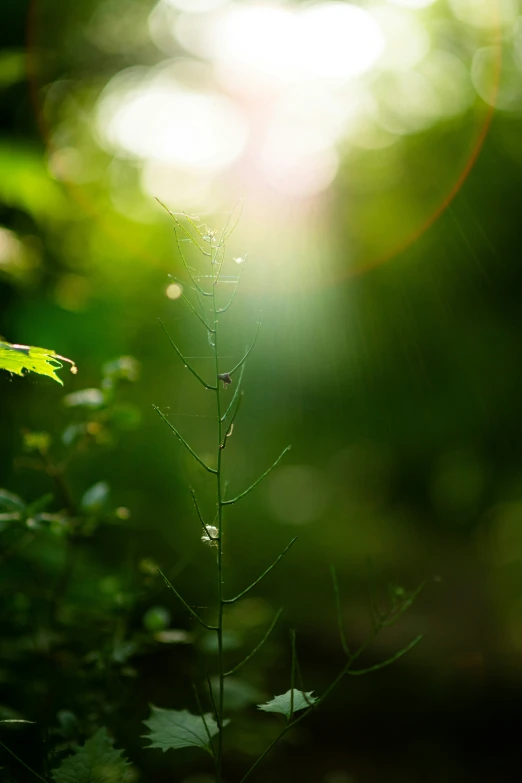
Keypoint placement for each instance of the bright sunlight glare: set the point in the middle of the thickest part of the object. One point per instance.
(161, 120)
(331, 41)
(274, 89)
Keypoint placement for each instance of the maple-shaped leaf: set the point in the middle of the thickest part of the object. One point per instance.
(27, 358)
(283, 703)
(95, 762)
(180, 729)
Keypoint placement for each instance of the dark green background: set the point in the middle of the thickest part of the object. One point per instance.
(401, 386)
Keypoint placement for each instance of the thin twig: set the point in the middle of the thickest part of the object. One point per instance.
(258, 481)
(340, 624)
(236, 392)
(267, 571)
(388, 661)
(257, 647)
(183, 359)
(211, 694)
(23, 763)
(243, 360)
(202, 715)
(185, 604)
(211, 537)
(182, 439)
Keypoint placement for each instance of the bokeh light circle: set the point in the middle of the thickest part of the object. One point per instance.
(166, 163)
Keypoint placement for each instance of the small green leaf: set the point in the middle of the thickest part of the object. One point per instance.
(180, 729)
(28, 358)
(282, 703)
(95, 762)
(11, 501)
(95, 497)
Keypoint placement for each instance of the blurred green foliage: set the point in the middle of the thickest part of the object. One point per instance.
(391, 365)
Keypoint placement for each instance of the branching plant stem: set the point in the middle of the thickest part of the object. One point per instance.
(399, 599)
(346, 669)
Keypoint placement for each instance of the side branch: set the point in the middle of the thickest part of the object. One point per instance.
(259, 480)
(198, 512)
(198, 316)
(243, 360)
(230, 427)
(234, 398)
(232, 297)
(191, 238)
(185, 604)
(247, 589)
(257, 647)
(340, 624)
(388, 661)
(187, 365)
(182, 439)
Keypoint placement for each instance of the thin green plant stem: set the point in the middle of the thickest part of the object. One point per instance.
(198, 512)
(230, 427)
(340, 623)
(202, 715)
(388, 661)
(267, 571)
(182, 439)
(198, 316)
(292, 675)
(257, 647)
(220, 705)
(187, 365)
(245, 357)
(191, 238)
(185, 604)
(211, 694)
(343, 672)
(32, 771)
(232, 297)
(235, 396)
(259, 480)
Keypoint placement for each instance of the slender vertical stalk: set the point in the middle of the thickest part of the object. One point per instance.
(219, 758)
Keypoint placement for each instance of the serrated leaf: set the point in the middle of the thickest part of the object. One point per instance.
(283, 704)
(95, 497)
(28, 358)
(95, 762)
(179, 729)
